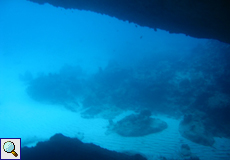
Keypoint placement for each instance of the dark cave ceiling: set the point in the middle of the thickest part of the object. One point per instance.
(196, 18)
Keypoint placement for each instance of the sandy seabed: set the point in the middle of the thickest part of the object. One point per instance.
(21, 117)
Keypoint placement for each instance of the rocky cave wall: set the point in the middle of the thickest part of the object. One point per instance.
(197, 18)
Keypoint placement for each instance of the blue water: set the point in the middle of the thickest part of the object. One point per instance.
(71, 72)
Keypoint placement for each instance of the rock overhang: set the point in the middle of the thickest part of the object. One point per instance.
(198, 18)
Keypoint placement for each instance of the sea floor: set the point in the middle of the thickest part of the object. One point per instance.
(21, 117)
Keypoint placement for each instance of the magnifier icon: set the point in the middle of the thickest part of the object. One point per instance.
(9, 147)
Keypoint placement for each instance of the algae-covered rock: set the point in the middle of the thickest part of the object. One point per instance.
(138, 125)
(194, 129)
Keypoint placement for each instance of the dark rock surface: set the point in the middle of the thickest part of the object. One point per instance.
(193, 128)
(138, 125)
(60, 147)
(201, 19)
(186, 154)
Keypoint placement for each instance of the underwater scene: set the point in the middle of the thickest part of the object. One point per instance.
(76, 84)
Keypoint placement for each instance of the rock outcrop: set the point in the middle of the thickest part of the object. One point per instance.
(61, 147)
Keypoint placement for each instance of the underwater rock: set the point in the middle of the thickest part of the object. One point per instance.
(200, 19)
(185, 150)
(60, 147)
(194, 129)
(186, 154)
(219, 121)
(138, 125)
(63, 88)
